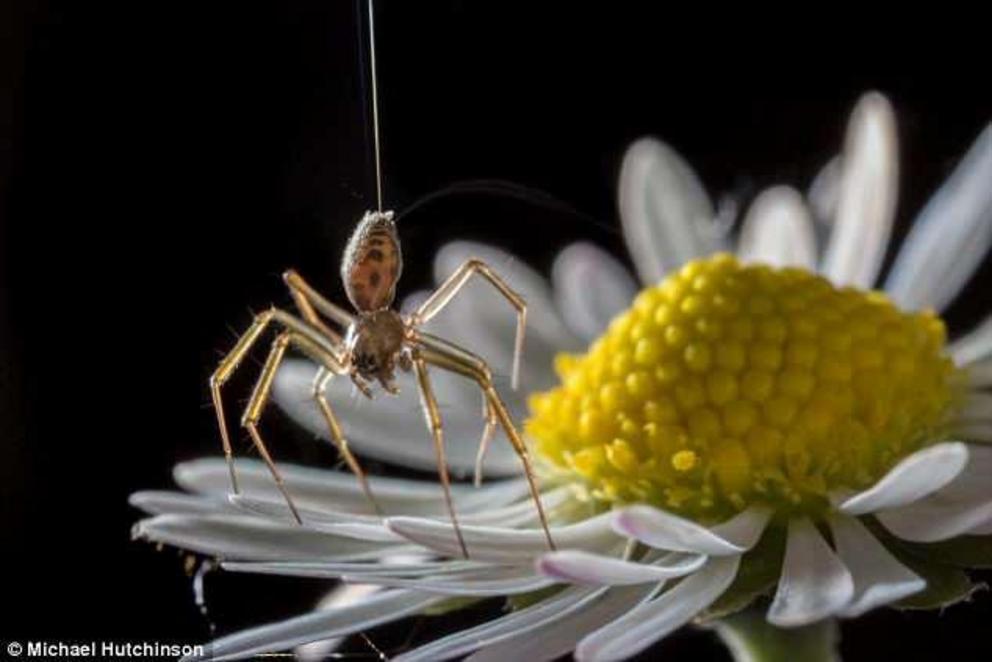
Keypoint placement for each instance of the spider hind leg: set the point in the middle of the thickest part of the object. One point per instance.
(443, 354)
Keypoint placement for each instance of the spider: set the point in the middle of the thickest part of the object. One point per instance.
(375, 342)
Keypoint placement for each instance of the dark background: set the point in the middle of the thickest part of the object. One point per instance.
(163, 162)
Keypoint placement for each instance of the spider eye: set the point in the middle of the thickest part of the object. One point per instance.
(366, 362)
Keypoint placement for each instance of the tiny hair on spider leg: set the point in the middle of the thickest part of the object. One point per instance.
(368, 346)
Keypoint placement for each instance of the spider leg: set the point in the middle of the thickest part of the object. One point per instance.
(487, 437)
(444, 354)
(433, 416)
(455, 282)
(237, 354)
(253, 412)
(337, 436)
(307, 298)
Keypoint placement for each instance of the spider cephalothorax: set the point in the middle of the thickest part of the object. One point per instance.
(377, 344)
(376, 341)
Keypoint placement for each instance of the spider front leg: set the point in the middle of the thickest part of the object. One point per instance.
(443, 354)
(309, 339)
(308, 299)
(455, 282)
(433, 416)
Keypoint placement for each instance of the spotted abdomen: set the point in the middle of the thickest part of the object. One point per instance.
(372, 262)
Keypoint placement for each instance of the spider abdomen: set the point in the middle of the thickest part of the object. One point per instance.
(372, 263)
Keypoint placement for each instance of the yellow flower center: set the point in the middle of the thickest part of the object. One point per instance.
(728, 384)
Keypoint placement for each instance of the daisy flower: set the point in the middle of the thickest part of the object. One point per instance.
(741, 431)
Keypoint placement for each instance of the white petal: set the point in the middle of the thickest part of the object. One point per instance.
(916, 476)
(867, 196)
(505, 545)
(339, 491)
(340, 596)
(375, 610)
(591, 288)
(391, 427)
(279, 511)
(161, 502)
(974, 345)
(577, 566)
(521, 514)
(932, 520)
(515, 623)
(973, 482)
(823, 193)
(745, 528)
(664, 210)
(778, 230)
(950, 236)
(663, 530)
(473, 584)
(980, 374)
(372, 527)
(814, 583)
(959, 508)
(251, 538)
(551, 640)
(328, 570)
(653, 620)
(878, 577)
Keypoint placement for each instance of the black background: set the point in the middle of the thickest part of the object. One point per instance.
(164, 162)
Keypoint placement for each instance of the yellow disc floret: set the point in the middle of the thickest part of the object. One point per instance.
(728, 384)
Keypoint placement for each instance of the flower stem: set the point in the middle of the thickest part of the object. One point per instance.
(751, 638)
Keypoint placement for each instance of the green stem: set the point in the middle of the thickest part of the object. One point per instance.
(751, 638)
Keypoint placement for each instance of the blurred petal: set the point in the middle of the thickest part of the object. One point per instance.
(664, 530)
(974, 345)
(814, 582)
(650, 621)
(513, 624)
(778, 230)
(916, 476)
(972, 431)
(482, 321)
(867, 197)
(577, 566)
(980, 375)
(878, 577)
(664, 210)
(391, 427)
(551, 640)
(822, 196)
(505, 545)
(950, 237)
(375, 610)
(590, 287)
(977, 405)
(339, 597)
